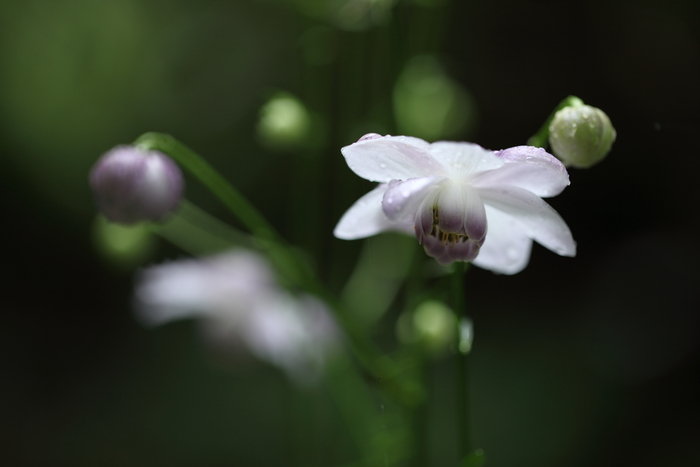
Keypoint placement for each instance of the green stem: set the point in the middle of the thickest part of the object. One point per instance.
(540, 138)
(198, 233)
(287, 260)
(462, 369)
(197, 166)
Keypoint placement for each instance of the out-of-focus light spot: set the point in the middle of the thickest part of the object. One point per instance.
(124, 247)
(429, 104)
(284, 122)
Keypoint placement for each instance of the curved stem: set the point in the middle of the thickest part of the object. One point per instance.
(541, 138)
(197, 166)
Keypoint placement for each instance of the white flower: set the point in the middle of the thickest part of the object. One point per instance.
(237, 299)
(463, 202)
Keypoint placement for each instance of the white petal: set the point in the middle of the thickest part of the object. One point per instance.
(172, 291)
(506, 249)
(402, 199)
(463, 159)
(390, 158)
(537, 218)
(527, 167)
(366, 218)
(222, 285)
(296, 334)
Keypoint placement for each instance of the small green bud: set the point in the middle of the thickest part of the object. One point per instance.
(432, 324)
(581, 136)
(284, 122)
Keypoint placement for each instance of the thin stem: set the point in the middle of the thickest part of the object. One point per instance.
(197, 166)
(198, 233)
(462, 370)
(540, 138)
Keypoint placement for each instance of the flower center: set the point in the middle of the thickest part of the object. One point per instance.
(446, 238)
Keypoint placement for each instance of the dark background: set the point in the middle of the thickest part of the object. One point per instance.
(589, 361)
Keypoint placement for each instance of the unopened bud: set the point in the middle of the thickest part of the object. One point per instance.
(284, 122)
(581, 136)
(432, 324)
(132, 185)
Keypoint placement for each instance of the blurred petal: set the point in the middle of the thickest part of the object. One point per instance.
(238, 301)
(295, 334)
(390, 158)
(538, 220)
(527, 167)
(506, 249)
(223, 284)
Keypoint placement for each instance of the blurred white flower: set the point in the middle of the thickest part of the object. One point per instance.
(238, 300)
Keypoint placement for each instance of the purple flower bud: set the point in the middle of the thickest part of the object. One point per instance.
(132, 185)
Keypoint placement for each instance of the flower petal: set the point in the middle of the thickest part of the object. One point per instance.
(224, 285)
(537, 218)
(462, 211)
(366, 218)
(402, 199)
(527, 167)
(463, 159)
(507, 247)
(390, 158)
(447, 253)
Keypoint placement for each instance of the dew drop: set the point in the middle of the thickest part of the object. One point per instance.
(369, 136)
(382, 165)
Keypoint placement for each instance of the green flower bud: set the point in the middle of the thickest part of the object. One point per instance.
(581, 136)
(284, 122)
(432, 325)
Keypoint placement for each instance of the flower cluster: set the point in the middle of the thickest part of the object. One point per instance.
(462, 202)
(238, 300)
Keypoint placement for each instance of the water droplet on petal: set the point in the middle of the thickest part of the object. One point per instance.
(382, 165)
(369, 136)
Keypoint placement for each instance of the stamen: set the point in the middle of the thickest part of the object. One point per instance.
(447, 239)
